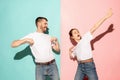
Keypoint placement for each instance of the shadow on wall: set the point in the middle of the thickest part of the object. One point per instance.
(23, 53)
(110, 29)
(85, 78)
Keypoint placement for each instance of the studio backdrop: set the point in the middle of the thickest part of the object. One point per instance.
(17, 19)
(83, 14)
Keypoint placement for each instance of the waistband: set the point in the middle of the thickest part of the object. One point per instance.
(86, 61)
(46, 63)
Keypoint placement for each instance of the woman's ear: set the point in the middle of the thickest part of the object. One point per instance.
(71, 37)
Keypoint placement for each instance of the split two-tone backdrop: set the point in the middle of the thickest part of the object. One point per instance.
(17, 19)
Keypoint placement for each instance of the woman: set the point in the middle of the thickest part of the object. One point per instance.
(81, 51)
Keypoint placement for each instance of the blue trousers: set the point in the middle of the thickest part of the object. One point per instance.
(86, 69)
(51, 70)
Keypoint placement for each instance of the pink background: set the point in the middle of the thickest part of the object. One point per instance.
(83, 14)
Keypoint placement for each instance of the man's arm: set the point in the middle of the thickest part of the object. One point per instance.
(17, 43)
(97, 25)
(55, 44)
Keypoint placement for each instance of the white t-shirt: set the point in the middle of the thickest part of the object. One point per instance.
(83, 49)
(41, 49)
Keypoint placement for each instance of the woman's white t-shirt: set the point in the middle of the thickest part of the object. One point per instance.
(83, 49)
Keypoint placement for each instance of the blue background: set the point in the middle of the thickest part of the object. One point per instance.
(17, 19)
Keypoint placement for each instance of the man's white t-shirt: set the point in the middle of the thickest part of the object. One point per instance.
(41, 49)
(83, 49)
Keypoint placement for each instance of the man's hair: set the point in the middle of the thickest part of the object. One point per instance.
(39, 19)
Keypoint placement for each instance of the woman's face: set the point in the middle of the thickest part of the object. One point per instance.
(75, 34)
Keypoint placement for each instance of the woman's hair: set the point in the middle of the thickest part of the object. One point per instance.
(70, 32)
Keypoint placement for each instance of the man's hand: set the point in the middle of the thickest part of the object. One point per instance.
(53, 39)
(55, 44)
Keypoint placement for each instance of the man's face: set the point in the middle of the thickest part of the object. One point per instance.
(43, 24)
(75, 34)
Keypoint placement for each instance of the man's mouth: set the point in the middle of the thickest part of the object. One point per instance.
(45, 27)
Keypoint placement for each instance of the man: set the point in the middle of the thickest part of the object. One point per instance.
(42, 46)
(81, 50)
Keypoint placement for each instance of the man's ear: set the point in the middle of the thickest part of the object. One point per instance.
(39, 24)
